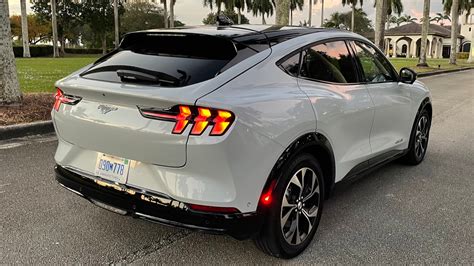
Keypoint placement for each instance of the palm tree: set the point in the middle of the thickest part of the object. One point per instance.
(380, 7)
(441, 17)
(116, 23)
(165, 12)
(424, 33)
(282, 14)
(172, 2)
(393, 6)
(9, 86)
(322, 13)
(455, 7)
(240, 5)
(310, 7)
(353, 4)
(262, 7)
(54, 25)
(407, 18)
(24, 29)
(296, 4)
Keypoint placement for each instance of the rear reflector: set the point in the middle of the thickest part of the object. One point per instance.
(202, 208)
(200, 117)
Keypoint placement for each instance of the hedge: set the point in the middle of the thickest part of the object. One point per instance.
(462, 55)
(47, 50)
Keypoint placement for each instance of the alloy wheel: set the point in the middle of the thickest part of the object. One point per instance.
(421, 136)
(300, 205)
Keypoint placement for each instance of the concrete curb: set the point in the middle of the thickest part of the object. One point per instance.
(23, 130)
(427, 74)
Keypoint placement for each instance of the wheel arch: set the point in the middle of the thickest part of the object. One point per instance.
(313, 143)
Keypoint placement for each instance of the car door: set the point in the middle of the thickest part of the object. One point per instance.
(344, 110)
(392, 100)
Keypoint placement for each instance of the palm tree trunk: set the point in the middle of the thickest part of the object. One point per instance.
(282, 12)
(380, 11)
(54, 25)
(291, 17)
(165, 13)
(24, 30)
(104, 44)
(310, 15)
(62, 41)
(322, 13)
(353, 17)
(9, 86)
(388, 22)
(172, 13)
(454, 31)
(263, 19)
(116, 24)
(424, 33)
(239, 16)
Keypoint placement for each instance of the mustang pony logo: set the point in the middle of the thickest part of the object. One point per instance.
(104, 109)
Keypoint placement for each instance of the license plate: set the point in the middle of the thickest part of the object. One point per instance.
(112, 168)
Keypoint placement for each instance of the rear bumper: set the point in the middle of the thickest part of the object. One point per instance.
(158, 208)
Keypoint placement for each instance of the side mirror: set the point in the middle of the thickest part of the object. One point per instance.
(407, 75)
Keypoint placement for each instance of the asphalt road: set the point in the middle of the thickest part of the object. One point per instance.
(398, 214)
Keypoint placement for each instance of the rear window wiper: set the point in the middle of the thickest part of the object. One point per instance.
(131, 75)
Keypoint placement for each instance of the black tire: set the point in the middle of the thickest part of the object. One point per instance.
(416, 153)
(271, 239)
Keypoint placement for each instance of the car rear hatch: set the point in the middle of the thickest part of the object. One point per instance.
(99, 107)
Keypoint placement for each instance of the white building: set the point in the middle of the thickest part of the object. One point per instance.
(405, 40)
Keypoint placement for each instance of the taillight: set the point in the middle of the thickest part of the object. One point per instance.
(199, 117)
(61, 98)
(203, 208)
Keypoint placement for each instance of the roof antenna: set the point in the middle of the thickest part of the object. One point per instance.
(223, 20)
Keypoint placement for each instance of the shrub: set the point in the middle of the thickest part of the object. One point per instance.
(83, 51)
(35, 50)
(462, 55)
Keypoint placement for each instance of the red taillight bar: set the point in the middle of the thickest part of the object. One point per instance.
(61, 98)
(200, 117)
(203, 208)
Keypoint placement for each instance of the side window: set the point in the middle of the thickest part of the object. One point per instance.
(292, 65)
(375, 66)
(330, 62)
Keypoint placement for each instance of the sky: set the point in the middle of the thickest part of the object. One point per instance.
(191, 12)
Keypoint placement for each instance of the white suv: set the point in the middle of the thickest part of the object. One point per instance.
(236, 130)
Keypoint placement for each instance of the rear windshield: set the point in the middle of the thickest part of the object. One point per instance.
(168, 59)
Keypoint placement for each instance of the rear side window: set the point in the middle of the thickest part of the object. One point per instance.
(375, 66)
(292, 64)
(167, 59)
(329, 62)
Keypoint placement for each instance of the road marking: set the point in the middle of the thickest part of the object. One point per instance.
(14, 143)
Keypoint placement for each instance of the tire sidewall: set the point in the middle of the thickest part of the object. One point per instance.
(296, 163)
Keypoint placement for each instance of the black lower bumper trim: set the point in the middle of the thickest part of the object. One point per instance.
(240, 226)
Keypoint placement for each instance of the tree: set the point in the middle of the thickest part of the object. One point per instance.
(172, 2)
(143, 15)
(116, 24)
(353, 4)
(282, 12)
(380, 7)
(456, 7)
(344, 21)
(210, 19)
(165, 8)
(393, 6)
(54, 24)
(424, 33)
(296, 4)
(240, 5)
(322, 13)
(407, 19)
(262, 7)
(99, 15)
(24, 29)
(9, 86)
(441, 17)
(67, 16)
(310, 10)
(37, 30)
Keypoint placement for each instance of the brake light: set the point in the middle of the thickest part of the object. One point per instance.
(199, 117)
(61, 98)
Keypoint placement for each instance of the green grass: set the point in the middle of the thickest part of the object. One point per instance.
(432, 64)
(39, 74)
